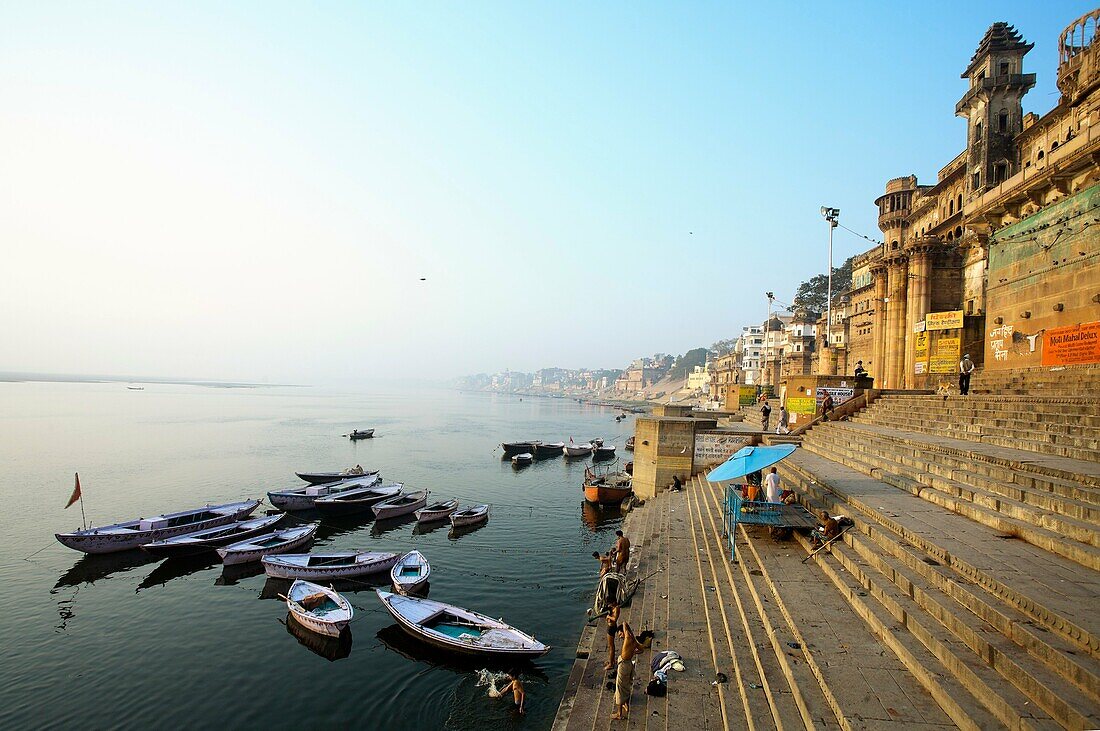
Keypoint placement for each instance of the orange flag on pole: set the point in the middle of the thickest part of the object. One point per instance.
(76, 492)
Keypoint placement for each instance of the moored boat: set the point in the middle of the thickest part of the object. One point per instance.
(280, 541)
(364, 434)
(513, 448)
(333, 565)
(134, 533)
(319, 608)
(630, 444)
(604, 451)
(522, 460)
(190, 544)
(359, 500)
(304, 498)
(471, 515)
(410, 572)
(577, 450)
(607, 488)
(320, 478)
(436, 511)
(459, 630)
(554, 449)
(402, 504)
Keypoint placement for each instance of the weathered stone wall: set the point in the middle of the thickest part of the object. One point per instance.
(663, 447)
(1043, 273)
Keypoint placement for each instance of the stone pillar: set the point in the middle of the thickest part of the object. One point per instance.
(920, 300)
(877, 366)
(897, 287)
(663, 447)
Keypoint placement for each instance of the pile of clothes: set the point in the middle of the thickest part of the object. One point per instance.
(661, 664)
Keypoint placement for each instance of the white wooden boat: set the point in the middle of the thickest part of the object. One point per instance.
(304, 498)
(334, 565)
(472, 515)
(280, 541)
(459, 630)
(436, 511)
(202, 541)
(577, 450)
(402, 504)
(523, 459)
(136, 533)
(358, 500)
(318, 608)
(410, 572)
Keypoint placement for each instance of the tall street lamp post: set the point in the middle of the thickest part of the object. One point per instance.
(831, 215)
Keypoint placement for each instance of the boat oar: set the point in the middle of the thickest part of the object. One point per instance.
(826, 544)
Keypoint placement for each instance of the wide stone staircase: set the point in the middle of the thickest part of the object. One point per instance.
(1068, 381)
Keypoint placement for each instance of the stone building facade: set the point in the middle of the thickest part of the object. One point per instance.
(1004, 247)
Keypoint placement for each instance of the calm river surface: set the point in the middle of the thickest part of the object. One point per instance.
(122, 641)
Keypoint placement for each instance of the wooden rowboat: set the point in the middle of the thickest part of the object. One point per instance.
(470, 516)
(606, 488)
(280, 541)
(136, 533)
(335, 565)
(577, 450)
(459, 630)
(436, 511)
(410, 572)
(320, 478)
(513, 448)
(400, 505)
(305, 498)
(359, 500)
(191, 544)
(318, 608)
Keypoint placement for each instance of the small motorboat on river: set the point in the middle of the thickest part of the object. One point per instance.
(399, 505)
(305, 498)
(359, 500)
(410, 573)
(139, 532)
(320, 478)
(459, 630)
(191, 544)
(364, 434)
(331, 566)
(280, 541)
(318, 608)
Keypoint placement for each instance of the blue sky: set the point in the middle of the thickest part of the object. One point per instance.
(254, 190)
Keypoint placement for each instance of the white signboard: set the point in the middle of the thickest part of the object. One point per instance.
(840, 395)
(716, 448)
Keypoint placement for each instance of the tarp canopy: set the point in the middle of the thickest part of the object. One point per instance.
(748, 460)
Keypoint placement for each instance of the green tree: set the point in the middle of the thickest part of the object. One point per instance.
(813, 293)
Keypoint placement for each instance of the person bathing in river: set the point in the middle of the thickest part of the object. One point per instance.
(605, 561)
(622, 551)
(514, 685)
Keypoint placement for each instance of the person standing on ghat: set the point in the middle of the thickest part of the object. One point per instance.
(966, 367)
(622, 551)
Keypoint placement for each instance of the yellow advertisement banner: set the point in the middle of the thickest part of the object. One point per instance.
(1072, 345)
(802, 405)
(920, 353)
(943, 320)
(746, 395)
(946, 357)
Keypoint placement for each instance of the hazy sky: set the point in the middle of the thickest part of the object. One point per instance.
(253, 190)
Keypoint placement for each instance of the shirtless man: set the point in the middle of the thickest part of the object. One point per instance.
(830, 529)
(612, 630)
(622, 551)
(605, 561)
(514, 685)
(624, 675)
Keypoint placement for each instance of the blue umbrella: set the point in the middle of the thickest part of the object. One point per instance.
(748, 460)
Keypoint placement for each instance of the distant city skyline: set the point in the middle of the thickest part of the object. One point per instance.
(274, 192)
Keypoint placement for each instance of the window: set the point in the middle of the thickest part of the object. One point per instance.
(999, 172)
(951, 208)
(970, 307)
(976, 181)
(1040, 156)
(1004, 68)
(978, 131)
(1002, 121)
(960, 206)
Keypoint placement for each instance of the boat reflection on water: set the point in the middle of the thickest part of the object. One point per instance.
(598, 517)
(333, 526)
(330, 648)
(455, 533)
(234, 573)
(92, 567)
(382, 527)
(177, 568)
(423, 529)
(396, 639)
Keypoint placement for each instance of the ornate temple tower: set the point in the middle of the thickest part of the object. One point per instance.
(992, 107)
(890, 311)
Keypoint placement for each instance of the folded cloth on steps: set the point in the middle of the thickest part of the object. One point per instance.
(662, 662)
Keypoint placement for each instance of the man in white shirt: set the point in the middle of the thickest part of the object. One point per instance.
(966, 367)
(771, 487)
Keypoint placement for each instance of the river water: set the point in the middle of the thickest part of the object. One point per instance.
(123, 641)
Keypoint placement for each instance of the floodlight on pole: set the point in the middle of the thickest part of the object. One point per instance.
(831, 216)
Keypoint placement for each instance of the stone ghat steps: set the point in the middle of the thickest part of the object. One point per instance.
(1074, 538)
(1066, 429)
(1072, 380)
(1025, 650)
